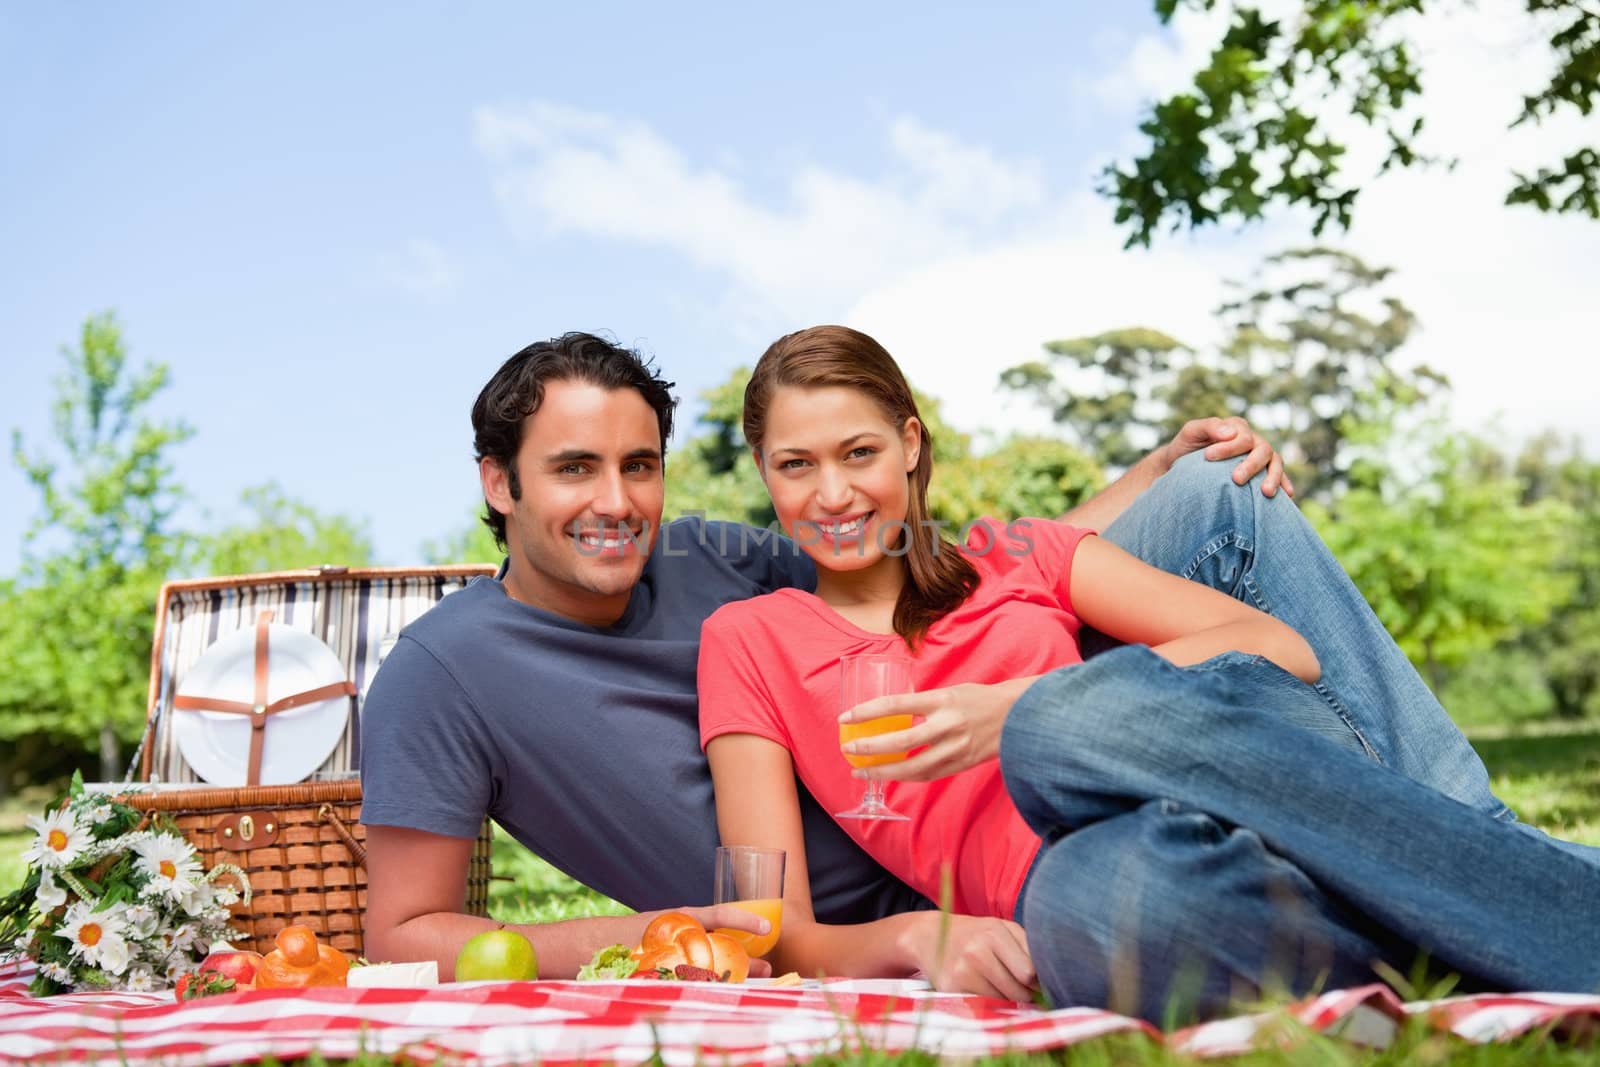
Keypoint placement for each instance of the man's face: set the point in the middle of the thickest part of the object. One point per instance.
(591, 478)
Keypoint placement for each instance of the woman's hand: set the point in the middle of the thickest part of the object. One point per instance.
(966, 954)
(1225, 438)
(960, 728)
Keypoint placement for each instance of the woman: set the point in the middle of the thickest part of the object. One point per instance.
(834, 431)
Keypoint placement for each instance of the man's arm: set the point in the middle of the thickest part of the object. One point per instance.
(416, 893)
(1221, 438)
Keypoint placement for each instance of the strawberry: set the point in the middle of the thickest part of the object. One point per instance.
(652, 973)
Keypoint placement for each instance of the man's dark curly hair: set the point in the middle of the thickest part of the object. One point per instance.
(517, 390)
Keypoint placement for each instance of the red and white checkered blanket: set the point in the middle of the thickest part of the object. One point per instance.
(492, 1023)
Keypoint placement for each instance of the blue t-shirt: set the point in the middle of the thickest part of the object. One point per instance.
(583, 742)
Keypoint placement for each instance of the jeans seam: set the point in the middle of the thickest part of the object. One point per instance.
(1259, 600)
(1212, 547)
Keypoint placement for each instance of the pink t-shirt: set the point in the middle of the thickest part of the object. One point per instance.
(769, 666)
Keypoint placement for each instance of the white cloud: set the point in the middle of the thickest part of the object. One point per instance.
(834, 235)
(963, 261)
(423, 269)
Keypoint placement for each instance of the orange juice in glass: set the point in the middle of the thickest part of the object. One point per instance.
(770, 909)
(865, 676)
(850, 731)
(751, 878)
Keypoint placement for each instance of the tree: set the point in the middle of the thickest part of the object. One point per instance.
(1023, 476)
(1115, 392)
(1568, 645)
(713, 471)
(472, 543)
(280, 533)
(82, 616)
(1257, 127)
(1451, 558)
(1307, 355)
(77, 623)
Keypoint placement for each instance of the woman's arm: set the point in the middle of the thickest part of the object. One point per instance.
(757, 805)
(1182, 621)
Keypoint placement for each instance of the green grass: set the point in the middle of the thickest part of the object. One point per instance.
(1548, 773)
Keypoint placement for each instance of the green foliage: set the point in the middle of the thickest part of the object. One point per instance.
(472, 543)
(1022, 476)
(77, 623)
(1450, 557)
(1568, 645)
(1255, 128)
(1307, 356)
(280, 534)
(1116, 391)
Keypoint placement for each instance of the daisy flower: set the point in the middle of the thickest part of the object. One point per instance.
(100, 813)
(96, 936)
(183, 937)
(170, 865)
(140, 980)
(198, 900)
(143, 919)
(61, 839)
(56, 972)
(50, 896)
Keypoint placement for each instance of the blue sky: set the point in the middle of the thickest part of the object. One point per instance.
(335, 222)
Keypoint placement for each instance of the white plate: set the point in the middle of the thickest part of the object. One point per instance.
(216, 744)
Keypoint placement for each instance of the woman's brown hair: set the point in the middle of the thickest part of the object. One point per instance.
(939, 577)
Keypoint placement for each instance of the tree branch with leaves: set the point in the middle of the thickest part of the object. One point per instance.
(1257, 127)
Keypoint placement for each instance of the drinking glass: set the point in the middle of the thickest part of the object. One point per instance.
(751, 878)
(862, 677)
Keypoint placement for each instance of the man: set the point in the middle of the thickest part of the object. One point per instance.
(559, 699)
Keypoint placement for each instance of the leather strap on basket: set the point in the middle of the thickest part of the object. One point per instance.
(260, 709)
(358, 851)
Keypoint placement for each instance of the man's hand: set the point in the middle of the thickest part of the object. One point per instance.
(965, 954)
(960, 728)
(732, 917)
(1226, 438)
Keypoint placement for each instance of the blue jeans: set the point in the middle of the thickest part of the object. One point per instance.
(1224, 829)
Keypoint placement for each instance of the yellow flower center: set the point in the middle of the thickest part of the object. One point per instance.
(168, 869)
(57, 840)
(89, 934)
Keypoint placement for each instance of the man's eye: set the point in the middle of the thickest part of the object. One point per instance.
(570, 468)
(639, 467)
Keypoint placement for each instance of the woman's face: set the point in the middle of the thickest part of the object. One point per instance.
(836, 470)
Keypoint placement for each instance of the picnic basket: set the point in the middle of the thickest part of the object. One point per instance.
(301, 844)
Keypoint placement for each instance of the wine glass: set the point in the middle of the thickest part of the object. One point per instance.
(751, 878)
(862, 677)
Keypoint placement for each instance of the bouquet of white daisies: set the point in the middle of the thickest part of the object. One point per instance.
(113, 900)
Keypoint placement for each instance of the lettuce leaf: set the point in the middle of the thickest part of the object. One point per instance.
(611, 962)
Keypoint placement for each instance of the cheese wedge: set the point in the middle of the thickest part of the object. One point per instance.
(394, 975)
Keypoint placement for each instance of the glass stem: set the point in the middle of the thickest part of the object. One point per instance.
(874, 798)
